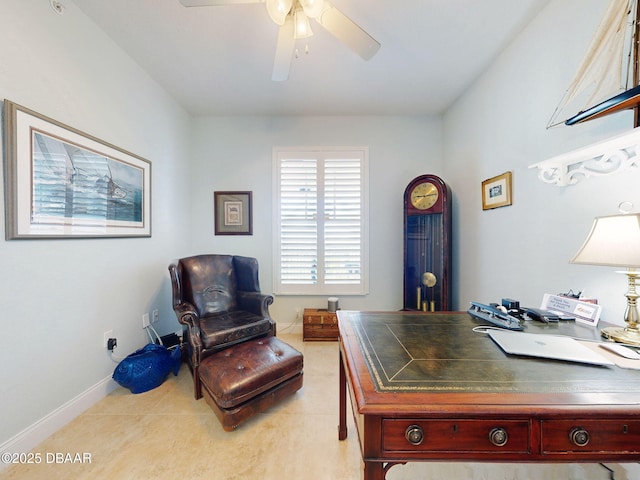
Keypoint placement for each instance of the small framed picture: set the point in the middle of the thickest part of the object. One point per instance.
(496, 191)
(233, 213)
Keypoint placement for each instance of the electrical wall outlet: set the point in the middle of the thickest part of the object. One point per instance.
(145, 320)
(106, 337)
(154, 316)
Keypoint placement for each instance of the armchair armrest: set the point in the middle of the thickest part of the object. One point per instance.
(254, 302)
(186, 313)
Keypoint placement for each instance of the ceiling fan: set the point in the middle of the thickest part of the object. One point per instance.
(293, 18)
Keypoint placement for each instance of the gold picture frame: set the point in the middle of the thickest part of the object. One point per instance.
(233, 215)
(497, 191)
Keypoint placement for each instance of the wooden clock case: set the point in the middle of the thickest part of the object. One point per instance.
(427, 248)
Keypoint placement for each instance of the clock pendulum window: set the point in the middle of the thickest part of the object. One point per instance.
(427, 244)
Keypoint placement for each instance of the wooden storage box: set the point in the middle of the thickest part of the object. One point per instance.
(319, 325)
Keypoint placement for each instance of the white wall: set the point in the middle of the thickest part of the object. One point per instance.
(60, 296)
(522, 251)
(236, 154)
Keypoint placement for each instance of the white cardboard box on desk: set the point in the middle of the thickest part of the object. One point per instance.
(585, 312)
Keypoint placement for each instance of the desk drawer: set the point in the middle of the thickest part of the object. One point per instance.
(561, 436)
(456, 435)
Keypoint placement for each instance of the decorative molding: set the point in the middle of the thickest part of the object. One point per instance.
(609, 156)
(33, 435)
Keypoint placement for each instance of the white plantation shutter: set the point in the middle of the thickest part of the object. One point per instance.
(342, 221)
(320, 244)
(298, 221)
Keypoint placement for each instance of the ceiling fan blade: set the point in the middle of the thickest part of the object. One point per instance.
(348, 32)
(215, 3)
(284, 51)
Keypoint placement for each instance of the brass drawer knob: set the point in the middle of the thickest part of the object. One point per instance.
(414, 434)
(579, 437)
(498, 437)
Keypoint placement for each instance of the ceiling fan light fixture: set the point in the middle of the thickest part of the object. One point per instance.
(313, 8)
(302, 27)
(279, 9)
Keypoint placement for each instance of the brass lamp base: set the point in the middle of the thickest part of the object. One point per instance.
(629, 334)
(622, 335)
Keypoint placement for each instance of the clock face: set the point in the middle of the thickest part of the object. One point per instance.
(424, 196)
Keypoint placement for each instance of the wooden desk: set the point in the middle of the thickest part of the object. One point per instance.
(426, 387)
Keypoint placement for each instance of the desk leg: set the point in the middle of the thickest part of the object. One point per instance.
(374, 471)
(342, 400)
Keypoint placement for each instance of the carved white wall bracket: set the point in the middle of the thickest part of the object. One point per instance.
(603, 158)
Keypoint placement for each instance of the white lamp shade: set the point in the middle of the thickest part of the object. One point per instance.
(279, 9)
(613, 241)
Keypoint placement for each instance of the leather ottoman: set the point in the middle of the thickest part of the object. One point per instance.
(245, 379)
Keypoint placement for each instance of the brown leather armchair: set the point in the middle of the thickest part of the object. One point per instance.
(217, 298)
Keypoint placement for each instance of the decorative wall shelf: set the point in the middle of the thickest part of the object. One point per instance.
(609, 156)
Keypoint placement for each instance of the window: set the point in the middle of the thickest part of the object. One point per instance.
(320, 244)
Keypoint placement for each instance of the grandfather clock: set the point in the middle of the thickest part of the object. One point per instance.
(427, 244)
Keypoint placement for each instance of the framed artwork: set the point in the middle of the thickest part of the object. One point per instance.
(63, 183)
(233, 213)
(496, 191)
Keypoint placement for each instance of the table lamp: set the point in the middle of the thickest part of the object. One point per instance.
(615, 241)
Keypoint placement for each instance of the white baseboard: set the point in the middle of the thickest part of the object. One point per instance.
(33, 435)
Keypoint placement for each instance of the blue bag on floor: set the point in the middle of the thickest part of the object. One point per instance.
(147, 368)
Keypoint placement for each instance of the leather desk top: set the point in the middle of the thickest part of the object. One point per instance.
(441, 353)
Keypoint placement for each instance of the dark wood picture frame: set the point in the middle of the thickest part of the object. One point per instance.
(233, 213)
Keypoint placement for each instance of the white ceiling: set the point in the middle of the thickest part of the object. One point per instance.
(218, 60)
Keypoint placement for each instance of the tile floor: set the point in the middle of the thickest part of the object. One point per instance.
(165, 433)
